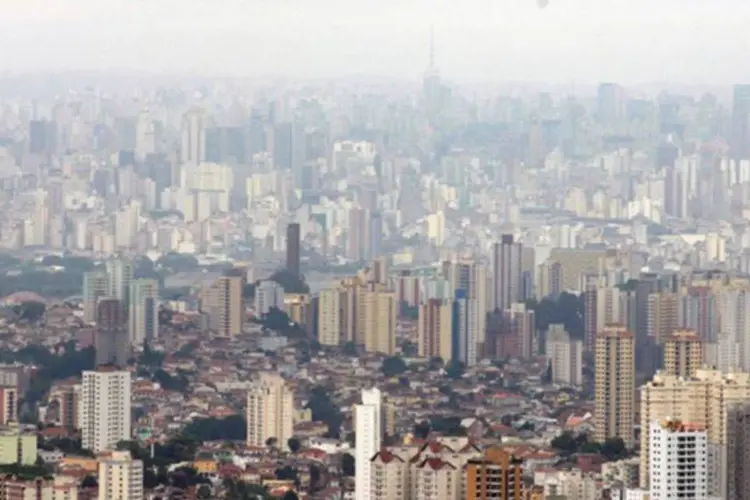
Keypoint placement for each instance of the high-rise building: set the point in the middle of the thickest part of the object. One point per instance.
(268, 295)
(663, 316)
(506, 272)
(497, 475)
(95, 286)
(293, 248)
(270, 411)
(704, 399)
(740, 140)
(521, 323)
(465, 328)
(112, 341)
(222, 302)
(368, 434)
(738, 451)
(565, 357)
(376, 319)
(471, 277)
(120, 275)
(105, 408)
(435, 329)
(330, 315)
(678, 460)
(120, 476)
(144, 310)
(193, 139)
(683, 353)
(9, 404)
(614, 384)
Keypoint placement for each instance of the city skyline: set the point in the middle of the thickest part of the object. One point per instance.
(572, 41)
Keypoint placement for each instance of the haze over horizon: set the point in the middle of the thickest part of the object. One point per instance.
(683, 41)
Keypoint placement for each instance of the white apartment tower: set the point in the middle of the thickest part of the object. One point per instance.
(368, 432)
(120, 477)
(193, 138)
(270, 409)
(565, 357)
(105, 408)
(678, 461)
(143, 321)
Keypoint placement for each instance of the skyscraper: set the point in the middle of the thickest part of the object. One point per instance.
(740, 136)
(565, 357)
(222, 302)
(497, 475)
(330, 315)
(95, 286)
(293, 248)
(434, 329)
(614, 384)
(376, 319)
(144, 310)
(120, 275)
(465, 328)
(703, 399)
(270, 410)
(506, 272)
(193, 138)
(368, 434)
(112, 340)
(683, 353)
(120, 476)
(105, 408)
(678, 460)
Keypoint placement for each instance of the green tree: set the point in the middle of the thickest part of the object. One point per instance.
(455, 369)
(30, 311)
(324, 409)
(294, 444)
(347, 465)
(290, 282)
(393, 366)
(232, 428)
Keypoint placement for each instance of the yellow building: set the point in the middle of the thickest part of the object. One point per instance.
(330, 316)
(376, 320)
(435, 329)
(17, 447)
(296, 306)
(614, 384)
(703, 399)
(223, 303)
(683, 353)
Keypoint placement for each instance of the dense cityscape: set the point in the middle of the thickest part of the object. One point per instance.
(360, 290)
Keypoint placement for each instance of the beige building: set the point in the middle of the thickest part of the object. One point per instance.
(390, 476)
(703, 399)
(614, 384)
(376, 319)
(270, 411)
(683, 353)
(738, 451)
(662, 317)
(550, 279)
(565, 357)
(17, 447)
(435, 329)
(121, 477)
(223, 303)
(330, 316)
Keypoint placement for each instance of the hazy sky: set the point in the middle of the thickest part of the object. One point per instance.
(632, 41)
